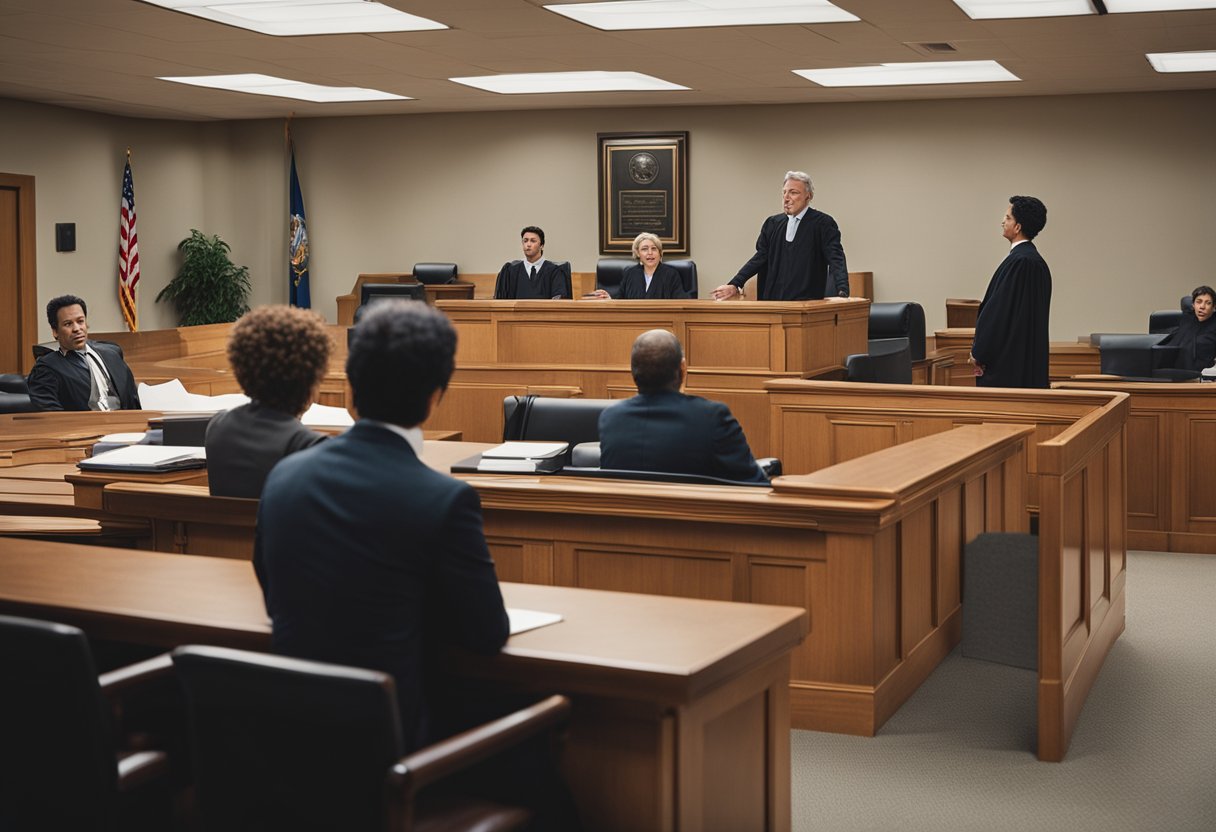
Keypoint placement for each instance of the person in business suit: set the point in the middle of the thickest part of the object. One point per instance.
(1011, 341)
(534, 277)
(651, 278)
(279, 354)
(81, 374)
(661, 429)
(1196, 334)
(795, 252)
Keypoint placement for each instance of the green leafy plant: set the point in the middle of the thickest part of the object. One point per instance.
(209, 288)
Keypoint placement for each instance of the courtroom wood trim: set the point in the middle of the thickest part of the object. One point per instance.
(24, 314)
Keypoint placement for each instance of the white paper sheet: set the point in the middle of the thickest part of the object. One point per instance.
(524, 620)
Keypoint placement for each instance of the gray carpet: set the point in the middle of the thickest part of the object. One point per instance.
(959, 755)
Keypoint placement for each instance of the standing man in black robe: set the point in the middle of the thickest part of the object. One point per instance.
(795, 252)
(533, 277)
(1011, 347)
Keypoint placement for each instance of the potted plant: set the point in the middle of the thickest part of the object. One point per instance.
(209, 288)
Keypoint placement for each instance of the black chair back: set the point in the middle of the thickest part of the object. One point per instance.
(435, 272)
(16, 403)
(545, 419)
(279, 743)
(688, 274)
(609, 272)
(1137, 357)
(889, 361)
(899, 320)
(57, 763)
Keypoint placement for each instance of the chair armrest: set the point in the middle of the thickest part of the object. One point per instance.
(770, 465)
(135, 675)
(140, 768)
(427, 765)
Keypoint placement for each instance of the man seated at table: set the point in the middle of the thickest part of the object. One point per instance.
(81, 374)
(279, 354)
(534, 277)
(661, 429)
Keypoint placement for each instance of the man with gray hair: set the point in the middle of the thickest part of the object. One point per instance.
(661, 429)
(795, 252)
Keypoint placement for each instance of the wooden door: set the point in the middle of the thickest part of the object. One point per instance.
(18, 282)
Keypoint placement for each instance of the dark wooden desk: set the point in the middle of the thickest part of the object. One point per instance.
(681, 707)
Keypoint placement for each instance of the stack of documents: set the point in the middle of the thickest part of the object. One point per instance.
(517, 458)
(146, 459)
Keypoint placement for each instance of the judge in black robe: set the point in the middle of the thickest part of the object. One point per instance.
(665, 284)
(534, 277)
(1011, 339)
(794, 269)
(1195, 336)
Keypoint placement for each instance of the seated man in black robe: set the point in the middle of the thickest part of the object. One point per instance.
(795, 252)
(82, 374)
(1196, 335)
(661, 429)
(533, 277)
(1011, 344)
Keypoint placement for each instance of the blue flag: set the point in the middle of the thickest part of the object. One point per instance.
(297, 245)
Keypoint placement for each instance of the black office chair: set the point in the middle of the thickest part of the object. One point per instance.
(888, 361)
(435, 272)
(280, 743)
(14, 394)
(899, 320)
(61, 766)
(609, 272)
(1141, 358)
(1166, 320)
(688, 274)
(548, 419)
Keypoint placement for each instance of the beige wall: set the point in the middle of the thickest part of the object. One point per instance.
(918, 189)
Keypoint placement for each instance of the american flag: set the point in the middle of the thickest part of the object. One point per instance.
(128, 251)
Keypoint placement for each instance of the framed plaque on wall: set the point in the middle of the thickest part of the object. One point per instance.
(643, 186)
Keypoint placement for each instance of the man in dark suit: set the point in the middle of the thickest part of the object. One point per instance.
(81, 374)
(661, 429)
(795, 252)
(534, 277)
(365, 555)
(1011, 340)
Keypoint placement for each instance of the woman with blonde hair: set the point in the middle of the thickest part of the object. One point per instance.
(651, 278)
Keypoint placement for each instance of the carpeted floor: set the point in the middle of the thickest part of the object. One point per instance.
(959, 755)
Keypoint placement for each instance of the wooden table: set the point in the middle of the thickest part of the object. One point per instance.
(681, 706)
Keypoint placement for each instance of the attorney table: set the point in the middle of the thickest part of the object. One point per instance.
(681, 706)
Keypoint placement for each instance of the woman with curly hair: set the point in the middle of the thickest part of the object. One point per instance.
(279, 354)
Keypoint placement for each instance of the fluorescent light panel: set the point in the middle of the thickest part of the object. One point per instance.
(592, 81)
(284, 88)
(688, 14)
(1182, 61)
(1001, 9)
(303, 17)
(924, 72)
(1125, 6)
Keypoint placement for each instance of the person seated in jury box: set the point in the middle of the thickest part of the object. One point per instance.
(795, 252)
(279, 354)
(1196, 335)
(81, 374)
(661, 429)
(651, 278)
(534, 277)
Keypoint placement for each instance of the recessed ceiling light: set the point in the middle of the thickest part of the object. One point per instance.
(689, 14)
(925, 72)
(284, 88)
(592, 81)
(998, 9)
(1124, 6)
(1182, 61)
(303, 17)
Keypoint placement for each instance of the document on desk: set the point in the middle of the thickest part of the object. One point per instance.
(147, 459)
(524, 620)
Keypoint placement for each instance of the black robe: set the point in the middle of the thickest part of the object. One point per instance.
(513, 282)
(665, 285)
(1196, 341)
(796, 270)
(1011, 341)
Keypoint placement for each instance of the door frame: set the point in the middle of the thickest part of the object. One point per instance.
(27, 272)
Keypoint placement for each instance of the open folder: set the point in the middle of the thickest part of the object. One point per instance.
(147, 459)
(517, 458)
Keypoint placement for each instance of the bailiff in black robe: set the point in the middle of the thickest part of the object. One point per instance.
(1011, 331)
(514, 282)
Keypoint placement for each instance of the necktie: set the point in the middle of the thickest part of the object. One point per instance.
(100, 379)
(533, 275)
(791, 228)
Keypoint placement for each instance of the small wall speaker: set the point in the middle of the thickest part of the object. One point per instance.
(65, 236)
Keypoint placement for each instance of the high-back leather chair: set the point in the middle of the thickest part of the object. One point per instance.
(688, 274)
(609, 272)
(899, 320)
(546, 419)
(887, 361)
(279, 743)
(1166, 320)
(1140, 357)
(14, 394)
(435, 272)
(60, 767)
